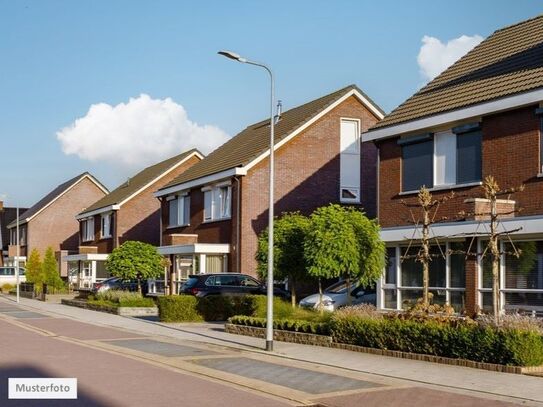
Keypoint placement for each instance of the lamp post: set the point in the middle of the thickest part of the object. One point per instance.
(269, 293)
(17, 256)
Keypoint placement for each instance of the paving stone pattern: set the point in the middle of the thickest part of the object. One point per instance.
(160, 348)
(295, 378)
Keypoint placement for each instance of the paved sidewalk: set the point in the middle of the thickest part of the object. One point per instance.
(467, 381)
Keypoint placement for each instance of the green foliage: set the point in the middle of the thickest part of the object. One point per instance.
(293, 325)
(288, 240)
(123, 298)
(455, 339)
(283, 310)
(178, 308)
(135, 260)
(34, 271)
(343, 242)
(50, 270)
(7, 287)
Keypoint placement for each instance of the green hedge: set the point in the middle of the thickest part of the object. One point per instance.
(187, 308)
(283, 324)
(464, 341)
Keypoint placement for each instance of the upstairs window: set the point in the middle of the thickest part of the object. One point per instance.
(105, 229)
(217, 202)
(349, 174)
(179, 210)
(22, 236)
(87, 229)
(444, 159)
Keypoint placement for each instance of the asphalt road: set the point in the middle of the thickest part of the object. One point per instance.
(119, 367)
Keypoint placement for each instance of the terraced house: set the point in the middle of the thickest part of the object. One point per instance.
(129, 212)
(213, 212)
(50, 222)
(480, 117)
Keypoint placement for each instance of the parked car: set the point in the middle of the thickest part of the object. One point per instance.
(7, 275)
(335, 296)
(202, 285)
(117, 283)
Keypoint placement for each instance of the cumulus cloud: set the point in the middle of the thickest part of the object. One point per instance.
(140, 132)
(435, 56)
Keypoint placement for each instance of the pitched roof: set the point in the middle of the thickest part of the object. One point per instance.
(139, 181)
(53, 195)
(243, 148)
(508, 62)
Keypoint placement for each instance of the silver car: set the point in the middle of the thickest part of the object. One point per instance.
(335, 296)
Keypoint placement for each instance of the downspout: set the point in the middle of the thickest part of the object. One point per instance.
(238, 224)
(377, 185)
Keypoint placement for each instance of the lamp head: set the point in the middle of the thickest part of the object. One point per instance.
(232, 55)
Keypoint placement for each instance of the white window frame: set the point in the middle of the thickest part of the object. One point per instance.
(105, 219)
(216, 207)
(88, 232)
(183, 200)
(346, 186)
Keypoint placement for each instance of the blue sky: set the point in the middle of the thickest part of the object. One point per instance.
(60, 57)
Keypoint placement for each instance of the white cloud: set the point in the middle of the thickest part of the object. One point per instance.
(136, 134)
(434, 56)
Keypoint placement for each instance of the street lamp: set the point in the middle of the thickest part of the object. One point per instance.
(269, 307)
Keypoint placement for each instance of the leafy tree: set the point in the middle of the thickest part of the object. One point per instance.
(288, 250)
(343, 242)
(50, 270)
(135, 260)
(34, 272)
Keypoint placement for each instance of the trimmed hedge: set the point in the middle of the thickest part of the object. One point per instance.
(283, 324)
(179, 308)
(461, 341)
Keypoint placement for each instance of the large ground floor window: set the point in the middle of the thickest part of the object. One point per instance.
(401, 284)
(521, 278)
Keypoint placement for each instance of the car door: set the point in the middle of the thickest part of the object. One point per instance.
(229, 285)
(249, 285)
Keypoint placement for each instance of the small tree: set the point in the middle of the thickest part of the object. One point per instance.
(135, 260)
(50, 270)
(34, 272)
(342, 242)
(288, 250)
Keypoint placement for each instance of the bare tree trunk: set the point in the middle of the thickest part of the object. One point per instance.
(425, 199)
(321, 305)
(495, 255)
(292, 292)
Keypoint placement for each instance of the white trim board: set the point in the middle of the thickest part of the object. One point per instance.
(494, 106)
(86, 257)
(529, 225)
(90, 177)
(243, 170)
(204, 248)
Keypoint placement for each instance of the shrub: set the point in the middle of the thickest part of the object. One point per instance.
(122, 298)
(283, 324)
(513, 321)
(179, 308)
(6, 288)
(461, 339)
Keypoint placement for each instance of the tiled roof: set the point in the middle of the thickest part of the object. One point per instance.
(508, 62)
(55, 193)
(138, 181)
(254, 140)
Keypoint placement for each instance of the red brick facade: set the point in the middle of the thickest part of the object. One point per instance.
(307, 176)
(138, 218)
(510, 153)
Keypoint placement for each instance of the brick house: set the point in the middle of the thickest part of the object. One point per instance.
(51, 221)
(129, 212)
(213, 213)
(7, 215)
(482, 116)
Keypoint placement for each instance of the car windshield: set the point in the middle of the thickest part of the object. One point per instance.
(339, 288)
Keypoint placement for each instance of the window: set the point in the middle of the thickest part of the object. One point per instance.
(179, 210)
(106, 225)
(541, 144)
(217, 202)
(448, 158)
(349, 160)
(22, 236)
(87, 229)
(417, 165)
(447, 276)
